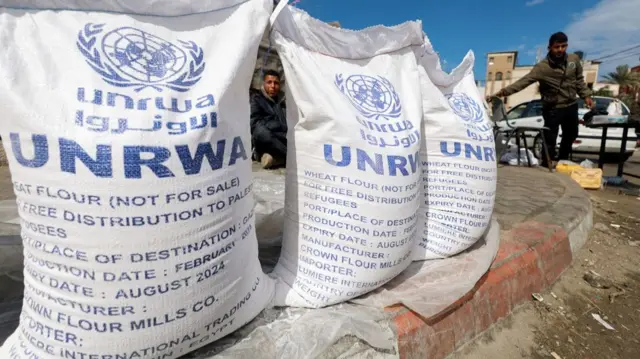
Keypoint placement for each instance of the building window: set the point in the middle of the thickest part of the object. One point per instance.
(510, 59)
(508, 75)
(498, 76)
(490, 76)
(490, 60)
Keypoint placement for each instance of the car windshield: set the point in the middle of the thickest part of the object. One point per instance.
(517, 112)
(602, 104)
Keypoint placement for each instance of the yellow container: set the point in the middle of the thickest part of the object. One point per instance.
(567, 168)
(588, 178)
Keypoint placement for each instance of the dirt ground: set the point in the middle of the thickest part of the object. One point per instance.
(562, 325)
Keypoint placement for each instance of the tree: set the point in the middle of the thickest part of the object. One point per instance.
(623, 77)
(604, 92)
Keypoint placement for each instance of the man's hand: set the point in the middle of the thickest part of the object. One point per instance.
(589, 102)
(491, 97)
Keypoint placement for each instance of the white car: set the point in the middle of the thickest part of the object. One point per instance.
(529, 114)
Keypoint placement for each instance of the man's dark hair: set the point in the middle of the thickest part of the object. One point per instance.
(273, 73)
(560, 37)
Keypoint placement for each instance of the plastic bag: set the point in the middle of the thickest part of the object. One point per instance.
(511, 157)
(587, 164)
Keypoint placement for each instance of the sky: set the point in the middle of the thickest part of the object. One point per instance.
(597, 27)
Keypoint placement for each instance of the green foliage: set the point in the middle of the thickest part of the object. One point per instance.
(623, 77)
(605, 92)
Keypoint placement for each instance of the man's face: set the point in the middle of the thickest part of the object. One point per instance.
(272, 85)
(558, 49)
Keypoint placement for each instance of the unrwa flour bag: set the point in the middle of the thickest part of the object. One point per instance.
(127, 132)
(353, 171)
(458, 159)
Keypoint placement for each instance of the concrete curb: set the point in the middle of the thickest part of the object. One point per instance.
(531, 258)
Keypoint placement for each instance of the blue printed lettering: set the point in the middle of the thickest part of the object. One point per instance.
(141, 105)
(100, 167)
(135, 157)
(470, 151)
(40, 150)
(396, 165)
(158, 320)
(133, 161)
(193, 165)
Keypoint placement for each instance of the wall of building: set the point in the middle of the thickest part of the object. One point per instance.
(499, 71)
(532, 92)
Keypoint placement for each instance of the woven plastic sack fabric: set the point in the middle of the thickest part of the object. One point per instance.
(126, 127)
(458, 159)
(353, 174)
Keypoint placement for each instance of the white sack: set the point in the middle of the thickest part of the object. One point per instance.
(128, 143)
(458, 159)
(511, 157)
(614, 108)
(353, 172)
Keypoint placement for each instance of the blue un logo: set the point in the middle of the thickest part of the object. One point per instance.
(473, 115)
(129, 57)
(372, 97)
(465, 107)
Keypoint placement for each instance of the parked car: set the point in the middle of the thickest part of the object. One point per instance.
(529, 114)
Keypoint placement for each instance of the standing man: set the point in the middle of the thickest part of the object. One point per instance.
(561, 82)
(269, 123)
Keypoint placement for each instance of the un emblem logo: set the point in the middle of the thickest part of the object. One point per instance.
(470, 112)
(129, 57)
(372, 97)
(465, 107)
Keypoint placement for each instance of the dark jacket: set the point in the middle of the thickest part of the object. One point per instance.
(555, 91)
(268, 113)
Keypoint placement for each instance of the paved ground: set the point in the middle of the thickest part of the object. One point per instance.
(562, 324)
(524, 193)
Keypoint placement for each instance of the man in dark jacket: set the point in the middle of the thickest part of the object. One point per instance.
(269, 123)
(561, 82)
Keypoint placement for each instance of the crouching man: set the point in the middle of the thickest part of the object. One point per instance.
(269, 123)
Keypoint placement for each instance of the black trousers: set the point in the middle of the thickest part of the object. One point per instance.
(266, 141)
(567, 119)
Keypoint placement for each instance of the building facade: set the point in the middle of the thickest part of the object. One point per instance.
(503, 70)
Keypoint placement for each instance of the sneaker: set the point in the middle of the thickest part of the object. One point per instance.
(278, 162)
(266, 161)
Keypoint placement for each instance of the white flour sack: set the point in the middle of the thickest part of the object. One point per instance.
(127, 132)
(458, 159)
(353, 170)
